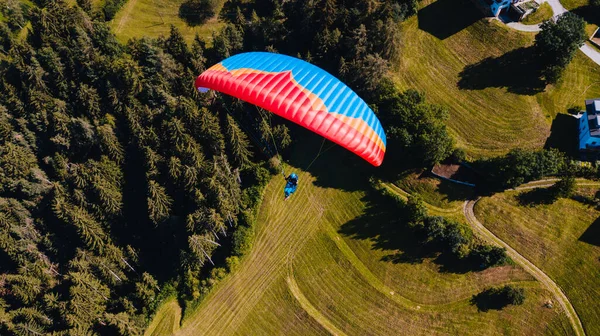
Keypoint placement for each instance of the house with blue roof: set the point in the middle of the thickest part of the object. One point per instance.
(589, 128)
(496, 6)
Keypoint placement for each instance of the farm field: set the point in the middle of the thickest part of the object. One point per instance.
(331, 260)
(475, 67)
(152, 18)
(561, 239)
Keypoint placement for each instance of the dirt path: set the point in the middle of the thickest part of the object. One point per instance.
(125, 17)
(542, 277)
(527, 265)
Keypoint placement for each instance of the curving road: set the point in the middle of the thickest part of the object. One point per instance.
(557, 9)
(528, 266)
(560, 296)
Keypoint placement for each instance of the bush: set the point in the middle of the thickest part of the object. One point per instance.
(242, 240)
(196, 12)
(520, 166)
(564, 188)
(499, 297)
(111, 7)
(488, 256)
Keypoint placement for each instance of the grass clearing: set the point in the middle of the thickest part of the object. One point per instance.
(543, 13)
(321, 262)
(563, 239)
(572, 4)
(166, 320)
(153, 18)
(499, 107)
(437, 192)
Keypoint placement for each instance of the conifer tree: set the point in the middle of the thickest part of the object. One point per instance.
(238, 143)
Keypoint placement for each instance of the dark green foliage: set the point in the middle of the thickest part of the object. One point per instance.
(564, 188)
(114, 177)
(520, 166)
(196, 12)
(499, 297)
(15, 13)
(243, 240)
(557, 43)
(418, 129)
(238, 143)
(111, 7)
(488, 255)
(6, 38)
(86, 5)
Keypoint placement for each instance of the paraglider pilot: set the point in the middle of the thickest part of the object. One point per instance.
(291, 185)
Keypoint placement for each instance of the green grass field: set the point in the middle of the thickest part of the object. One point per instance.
(326, 261)
(497, 106)
(543, 13)
(154, 18)
(439, 193)
(563, 239)
(572, 4)
(167, 318)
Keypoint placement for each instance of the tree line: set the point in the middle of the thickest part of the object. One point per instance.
(117, 181)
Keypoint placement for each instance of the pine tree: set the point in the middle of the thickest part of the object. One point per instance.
(159, 202)
(238, 143)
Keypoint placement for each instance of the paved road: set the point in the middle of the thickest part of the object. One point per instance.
(527, 265)
(557, 9)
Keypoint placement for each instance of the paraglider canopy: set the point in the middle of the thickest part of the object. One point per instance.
(302, 93)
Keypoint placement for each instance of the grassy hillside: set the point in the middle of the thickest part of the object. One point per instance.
(563, 239)
(439, 193)
(476, 68)
(166, 320)
(543, 13)
(327, 260)
(153, 18)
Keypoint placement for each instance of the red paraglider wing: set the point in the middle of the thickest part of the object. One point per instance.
(302, 93)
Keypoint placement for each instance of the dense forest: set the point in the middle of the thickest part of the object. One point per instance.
(121, 185)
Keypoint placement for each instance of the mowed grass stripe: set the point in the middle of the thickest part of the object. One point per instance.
(552, 237)
(167, 318)
(303, 231)
(498, 113)
(484, 121)
(312, 311)
(272, 246)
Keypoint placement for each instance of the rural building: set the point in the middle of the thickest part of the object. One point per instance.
(512, 10)
(496, 6)
(589, 128)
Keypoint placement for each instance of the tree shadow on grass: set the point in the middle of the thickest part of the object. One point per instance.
(455, 191)
(331, 165)
(484, 302)
(563, 134)
(196, 12)
(537, 196)
(589, 13)
(517, 71)
(385, 225)
(444, 18)
(592, 234)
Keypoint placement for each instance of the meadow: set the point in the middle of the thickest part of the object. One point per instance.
(152, 18)
(481, 70)
(562, 239)
(333, 260)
